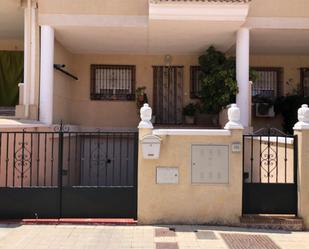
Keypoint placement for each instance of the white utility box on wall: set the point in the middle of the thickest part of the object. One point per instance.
(151, 147)
(210, 164)
(167, 175)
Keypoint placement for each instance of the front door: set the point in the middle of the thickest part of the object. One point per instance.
(168, 84)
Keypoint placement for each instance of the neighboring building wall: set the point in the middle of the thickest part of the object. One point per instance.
(100, 113)
(187, 203)
(63, 85)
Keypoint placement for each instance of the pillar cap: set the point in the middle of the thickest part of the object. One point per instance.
(303, 118)
(234, 118)
(146, 115)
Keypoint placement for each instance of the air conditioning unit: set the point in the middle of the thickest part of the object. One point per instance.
(264, 110)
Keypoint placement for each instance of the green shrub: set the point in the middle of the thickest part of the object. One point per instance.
(219, 85)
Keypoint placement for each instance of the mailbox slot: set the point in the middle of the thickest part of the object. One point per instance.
(151, 146)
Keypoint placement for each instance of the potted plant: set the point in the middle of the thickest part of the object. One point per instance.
(218, 85)
(140, 93)
(141, 99)
(189, 113)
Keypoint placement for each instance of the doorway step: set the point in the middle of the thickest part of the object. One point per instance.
(278, 222)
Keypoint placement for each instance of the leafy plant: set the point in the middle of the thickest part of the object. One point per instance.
(288, 106)
(218, 80)
(141, 97)
(189, 110)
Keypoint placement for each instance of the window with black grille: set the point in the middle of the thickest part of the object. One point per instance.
(268, 83)
(112, 82)
(195, 82)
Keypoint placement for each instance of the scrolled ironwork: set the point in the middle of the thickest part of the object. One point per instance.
(22, 159)
(269, 132)
(61, 128)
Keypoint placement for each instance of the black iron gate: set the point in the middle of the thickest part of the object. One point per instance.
(67, 174)
(270, 173)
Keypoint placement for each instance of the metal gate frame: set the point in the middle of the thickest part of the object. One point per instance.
(35, 154)
(270, 197)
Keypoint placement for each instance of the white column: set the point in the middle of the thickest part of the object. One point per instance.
(30, 57)
(242, 75)
(33, 57)
(27, 56)
(47, 74)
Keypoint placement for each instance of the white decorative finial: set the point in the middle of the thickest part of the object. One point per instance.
(146, 114)
(234, 118)
(303, 118)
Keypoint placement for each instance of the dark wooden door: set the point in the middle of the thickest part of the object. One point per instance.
(168, 85)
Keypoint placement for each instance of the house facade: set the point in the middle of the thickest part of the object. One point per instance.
(91, 65)
(134, 44)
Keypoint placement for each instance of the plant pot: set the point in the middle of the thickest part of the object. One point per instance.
(209, 120)
(189, 119)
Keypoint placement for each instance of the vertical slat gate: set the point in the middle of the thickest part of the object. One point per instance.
(63, 174)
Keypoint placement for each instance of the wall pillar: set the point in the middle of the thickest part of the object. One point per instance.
(242, 75)
(301, 129)
(47, 74)
(28, 106)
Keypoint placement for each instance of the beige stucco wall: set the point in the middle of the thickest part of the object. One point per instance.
(303, 175)
(72, 98)
(275, 8)
(11, 45)
(63, 85)
(99, 113)
(85, 112)
(94, 7)
(184, 202)
(279, 8)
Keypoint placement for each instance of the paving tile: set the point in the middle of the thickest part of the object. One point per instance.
(164, 232)
(125, 237)
(209, 235)
(245, 241)
(167, 245)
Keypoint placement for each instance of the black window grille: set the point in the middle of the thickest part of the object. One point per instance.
(112, 82)
(268, 83)
(195, 82)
